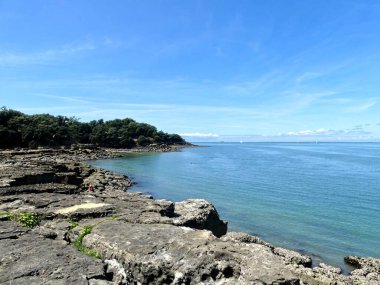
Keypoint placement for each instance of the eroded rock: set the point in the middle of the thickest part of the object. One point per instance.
(199, 214)
(167, 254)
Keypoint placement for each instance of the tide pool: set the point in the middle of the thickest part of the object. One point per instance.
(321, 199)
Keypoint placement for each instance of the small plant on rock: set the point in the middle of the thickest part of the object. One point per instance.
(29, 220)
(73, 224)
(79, 245)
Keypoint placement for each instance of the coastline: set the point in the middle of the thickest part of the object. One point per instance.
(232, 258)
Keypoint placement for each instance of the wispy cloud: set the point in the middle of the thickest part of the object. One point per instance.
(361, 107)
(253, 87)
(308, 76)
(179, 95)
(350, 132)
(351, 105)
(96, 106)
(42, 57)
(303, 100)
(68, 99)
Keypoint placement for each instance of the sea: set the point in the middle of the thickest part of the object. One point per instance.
(321, 199)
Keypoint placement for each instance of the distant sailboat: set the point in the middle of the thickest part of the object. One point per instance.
(241, 141)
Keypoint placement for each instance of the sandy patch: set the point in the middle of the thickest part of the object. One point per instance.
(81, 206)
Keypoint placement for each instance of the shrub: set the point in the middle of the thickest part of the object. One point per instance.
(27, 219)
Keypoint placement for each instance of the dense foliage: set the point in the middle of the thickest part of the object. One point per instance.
(21, 130)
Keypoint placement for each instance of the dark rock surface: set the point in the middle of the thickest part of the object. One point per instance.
(34, 259)
(140, 240)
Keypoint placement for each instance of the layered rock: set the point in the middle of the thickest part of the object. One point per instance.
(140, 240)
(167, 254)
(34, 259)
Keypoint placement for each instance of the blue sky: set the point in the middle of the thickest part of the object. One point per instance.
(210, 70)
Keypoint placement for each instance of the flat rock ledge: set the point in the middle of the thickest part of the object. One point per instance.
(53, 231)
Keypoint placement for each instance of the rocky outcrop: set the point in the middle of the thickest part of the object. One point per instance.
(139, 240)
(289, 256)
(199, 214)
(367, 269)
(167, 254)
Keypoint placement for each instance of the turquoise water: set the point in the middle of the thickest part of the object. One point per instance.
(321, 199)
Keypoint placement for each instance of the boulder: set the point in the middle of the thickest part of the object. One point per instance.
(199, 214)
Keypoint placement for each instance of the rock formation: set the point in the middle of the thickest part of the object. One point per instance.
(53, 231)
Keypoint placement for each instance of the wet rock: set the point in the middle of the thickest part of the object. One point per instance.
(289, 256)
(365, 263)
(293, 257)
(245, 238)
(368, 268)
(327, 275)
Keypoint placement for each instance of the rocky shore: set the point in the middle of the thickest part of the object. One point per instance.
(54, 231)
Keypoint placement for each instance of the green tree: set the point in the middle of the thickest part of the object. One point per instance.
(21, 130)
(144, 141)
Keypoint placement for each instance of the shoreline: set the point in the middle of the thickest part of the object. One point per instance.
(109, 199)
(316, 259)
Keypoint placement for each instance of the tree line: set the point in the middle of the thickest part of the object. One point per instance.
(20, 130)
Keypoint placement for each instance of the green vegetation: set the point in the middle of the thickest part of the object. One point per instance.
(5, 216)
(79, 245)
(21, 130)
(27, 219)
(73, 224)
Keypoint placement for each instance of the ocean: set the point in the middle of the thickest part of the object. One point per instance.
(320, 199)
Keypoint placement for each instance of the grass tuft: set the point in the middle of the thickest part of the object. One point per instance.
(78, 243)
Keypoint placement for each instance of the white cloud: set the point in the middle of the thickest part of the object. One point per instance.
(199, 135)
(350, 132)
(309, 132)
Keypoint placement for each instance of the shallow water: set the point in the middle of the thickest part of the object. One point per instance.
(321, 199)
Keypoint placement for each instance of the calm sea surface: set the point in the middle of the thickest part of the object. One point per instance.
(321, 199)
